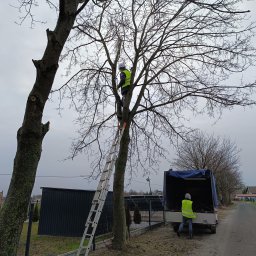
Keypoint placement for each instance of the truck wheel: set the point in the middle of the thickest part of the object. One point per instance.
(175, 227)
(213, 229)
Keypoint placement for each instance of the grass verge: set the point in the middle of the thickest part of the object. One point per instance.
(46, 245)
(50, 245)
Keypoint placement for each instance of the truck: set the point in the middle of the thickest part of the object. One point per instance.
(201, 185)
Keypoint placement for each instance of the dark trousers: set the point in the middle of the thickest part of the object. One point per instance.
(124, 92)
(184, 221)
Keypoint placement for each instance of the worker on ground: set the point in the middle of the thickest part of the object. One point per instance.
(187, 215)
(125, 81)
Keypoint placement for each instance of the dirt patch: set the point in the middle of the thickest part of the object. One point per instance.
(223, 211)
(163, 241)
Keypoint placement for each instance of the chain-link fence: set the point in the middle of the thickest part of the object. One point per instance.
(150, 208)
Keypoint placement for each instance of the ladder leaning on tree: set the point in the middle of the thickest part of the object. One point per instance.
(100, 195)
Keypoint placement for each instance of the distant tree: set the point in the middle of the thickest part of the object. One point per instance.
(128, 218)
(36, 213)
(1, 199)
(132, 192)
(157, 192)
(245, 190)
(219, 155)
(137, 215)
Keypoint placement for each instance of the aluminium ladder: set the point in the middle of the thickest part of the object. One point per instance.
(99, 197)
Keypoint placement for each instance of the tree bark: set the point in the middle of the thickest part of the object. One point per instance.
(225, 199)
(119, 228)
(32, 132)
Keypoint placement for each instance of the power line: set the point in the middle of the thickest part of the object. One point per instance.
(51, 176)
(73, 177)
(147, 183)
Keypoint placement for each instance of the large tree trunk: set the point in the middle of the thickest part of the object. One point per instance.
(119, 228)
(32, 132)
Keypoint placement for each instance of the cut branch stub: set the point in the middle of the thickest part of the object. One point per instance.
(36, 63)
(51, 35)
(45, 128)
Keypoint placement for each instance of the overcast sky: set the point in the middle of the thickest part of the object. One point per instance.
(19, 45)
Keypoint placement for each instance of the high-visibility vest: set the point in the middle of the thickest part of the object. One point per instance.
(187, 209)
(127, 78)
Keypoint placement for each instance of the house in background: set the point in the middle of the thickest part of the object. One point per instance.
(246, 197)
(248, 194)
(251, 190)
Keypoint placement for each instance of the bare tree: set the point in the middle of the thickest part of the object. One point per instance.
(180, 52)
(219, 155)
(229, 178)
(31, 133)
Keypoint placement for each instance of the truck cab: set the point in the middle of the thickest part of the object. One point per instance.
(200, 184)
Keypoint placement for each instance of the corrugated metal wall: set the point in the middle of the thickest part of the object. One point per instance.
(64, 212)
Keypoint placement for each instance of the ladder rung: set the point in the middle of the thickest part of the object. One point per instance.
(93, 223)
(109, 159)
(104, 175)
(96, 196)
(96, 210)
(97, 201)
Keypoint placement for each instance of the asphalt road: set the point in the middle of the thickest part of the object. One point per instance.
(236, 234)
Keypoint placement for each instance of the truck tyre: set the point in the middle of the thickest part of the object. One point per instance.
(175, 227)
(213, 229)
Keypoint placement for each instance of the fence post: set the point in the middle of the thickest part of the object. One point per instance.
(149, 214)
(31, 210)
(93, 243)
(164, 216)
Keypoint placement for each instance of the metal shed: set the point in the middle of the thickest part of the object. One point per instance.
(64, 211)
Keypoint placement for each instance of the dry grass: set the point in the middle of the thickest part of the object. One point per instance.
(49, 245)
(46, 245)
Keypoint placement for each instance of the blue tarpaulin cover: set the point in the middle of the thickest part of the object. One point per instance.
(197, 174)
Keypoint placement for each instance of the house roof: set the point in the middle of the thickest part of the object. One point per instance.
(245, 195)
(71, 189)
(251, 189)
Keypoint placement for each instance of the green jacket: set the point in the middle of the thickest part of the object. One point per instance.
(187, 210)
(125, 79)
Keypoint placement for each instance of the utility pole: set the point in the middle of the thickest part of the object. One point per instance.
(148, 180)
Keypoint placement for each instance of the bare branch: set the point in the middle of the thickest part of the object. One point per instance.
(181, 54)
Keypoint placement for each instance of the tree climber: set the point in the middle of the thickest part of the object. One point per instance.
(125, 81)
